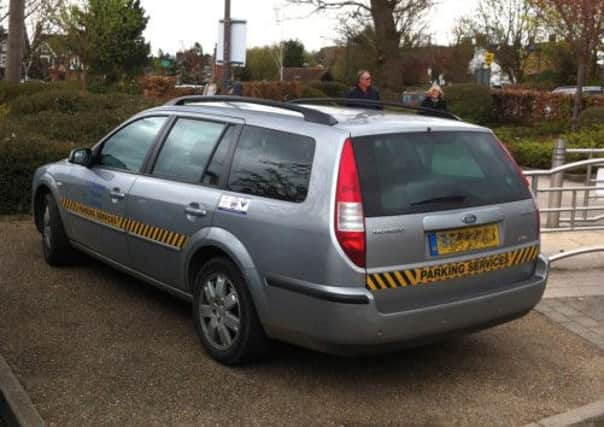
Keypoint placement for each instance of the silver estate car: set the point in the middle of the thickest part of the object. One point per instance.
(343, 229)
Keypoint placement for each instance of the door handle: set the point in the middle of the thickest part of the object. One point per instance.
(194, 210)
(117, 194)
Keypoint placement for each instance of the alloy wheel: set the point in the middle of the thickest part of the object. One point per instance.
(219, 311)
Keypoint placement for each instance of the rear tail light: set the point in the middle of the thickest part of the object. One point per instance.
(524, 179)
(349, 219)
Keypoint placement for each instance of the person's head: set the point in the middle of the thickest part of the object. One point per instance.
(435, 92)
(364, 79)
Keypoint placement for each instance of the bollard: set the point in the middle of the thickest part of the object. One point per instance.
(557, 180)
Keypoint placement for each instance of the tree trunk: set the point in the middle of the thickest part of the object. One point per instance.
(387, 41)
(579, 93)
(16, 40)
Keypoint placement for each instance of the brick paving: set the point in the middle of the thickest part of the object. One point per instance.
(582, 315)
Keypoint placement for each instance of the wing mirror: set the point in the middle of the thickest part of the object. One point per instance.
(81, 156)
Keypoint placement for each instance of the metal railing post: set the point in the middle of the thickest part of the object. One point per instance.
(587, 193)
(557, 180)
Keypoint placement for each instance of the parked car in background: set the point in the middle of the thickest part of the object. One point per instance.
(413, 98)
(587, 90)
(346, 230)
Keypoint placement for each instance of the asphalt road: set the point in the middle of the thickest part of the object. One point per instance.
(92, 346)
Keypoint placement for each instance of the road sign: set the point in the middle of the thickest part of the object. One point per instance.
(488, 58)
(165, 63)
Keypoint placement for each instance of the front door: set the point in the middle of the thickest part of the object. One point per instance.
(96, 197)
(178, 196)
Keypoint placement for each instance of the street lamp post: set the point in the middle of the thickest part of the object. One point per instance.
(226, 57)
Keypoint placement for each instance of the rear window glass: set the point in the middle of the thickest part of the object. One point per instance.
(272, 164)
(425, 172)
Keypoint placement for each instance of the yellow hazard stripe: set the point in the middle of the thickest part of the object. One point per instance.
(448, 271)
(148, 231)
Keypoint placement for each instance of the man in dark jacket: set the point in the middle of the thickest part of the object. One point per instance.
(364, 90)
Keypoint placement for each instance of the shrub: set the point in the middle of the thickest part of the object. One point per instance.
(536, 152)
(331, 89)
(20, 154)
(59, 126)
(532, 154)
(72, 101)
(10, 91)
(527, 106)
(158, 86)
(539, 131)
(472, 102)
(68, 101)
(311, 92)
(277, 91)
(592, 116)
(43, 127)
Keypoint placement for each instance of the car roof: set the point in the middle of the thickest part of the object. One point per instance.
(356, 121)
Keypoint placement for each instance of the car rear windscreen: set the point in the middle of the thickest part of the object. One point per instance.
(434, 171)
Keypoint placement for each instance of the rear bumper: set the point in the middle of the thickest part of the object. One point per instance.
(328, 323)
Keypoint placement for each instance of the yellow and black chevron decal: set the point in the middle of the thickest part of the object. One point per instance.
(156, 234)
(454, 270)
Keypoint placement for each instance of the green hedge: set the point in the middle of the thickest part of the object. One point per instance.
(532, 147)
(311, 92)
(330, 89)
(44, 126)
(472, 102)
(20, 154)
(10, 91)
(592, 116)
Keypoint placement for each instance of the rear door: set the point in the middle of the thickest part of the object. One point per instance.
(448, 216)
(178, 195)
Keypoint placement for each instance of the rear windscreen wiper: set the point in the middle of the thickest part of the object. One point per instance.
(442, 199)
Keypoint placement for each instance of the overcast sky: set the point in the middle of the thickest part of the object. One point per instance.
(175, 24)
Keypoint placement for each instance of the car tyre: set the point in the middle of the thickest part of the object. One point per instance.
(55, 244)
(225, 316)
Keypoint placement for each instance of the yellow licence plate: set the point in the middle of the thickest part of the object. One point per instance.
(463, 239)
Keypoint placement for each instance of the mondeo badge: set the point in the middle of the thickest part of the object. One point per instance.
(469, 219)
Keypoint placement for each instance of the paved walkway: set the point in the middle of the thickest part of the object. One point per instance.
(574, 297)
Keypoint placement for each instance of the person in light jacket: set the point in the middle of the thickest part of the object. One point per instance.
(435, 99)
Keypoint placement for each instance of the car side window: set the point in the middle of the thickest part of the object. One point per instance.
(127, 148)
(187, 149)
(272, 164)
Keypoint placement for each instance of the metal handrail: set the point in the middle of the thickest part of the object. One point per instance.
(585, 150)
(564, 168)
(575, 252)
(550, 189)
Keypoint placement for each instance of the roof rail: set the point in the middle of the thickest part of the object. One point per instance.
(354, 102)
(310, 114)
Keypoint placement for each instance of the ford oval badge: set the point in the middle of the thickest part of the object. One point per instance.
(469, 219)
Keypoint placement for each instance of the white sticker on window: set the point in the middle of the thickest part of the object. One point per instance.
(234, 204)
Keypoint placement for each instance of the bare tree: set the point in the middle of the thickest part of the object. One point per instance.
(509, 28)
(31, 7)
(581, 23)
(394, 22)
(16, 40)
